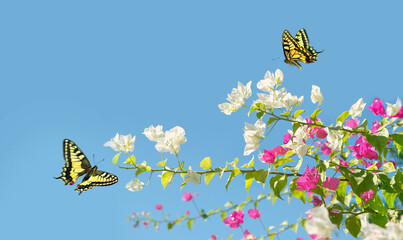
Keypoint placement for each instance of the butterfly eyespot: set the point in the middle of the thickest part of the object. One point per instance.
(71, 183)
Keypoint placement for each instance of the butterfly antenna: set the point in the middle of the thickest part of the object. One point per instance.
(100, 162)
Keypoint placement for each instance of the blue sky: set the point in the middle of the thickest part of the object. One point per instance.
(85, 70)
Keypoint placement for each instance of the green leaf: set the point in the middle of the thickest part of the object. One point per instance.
(341, 192)
(315, 114)
(170, 225)
(166, 177)
(376, 204)
(116, 158)
(248, 180)
(378, 140)
(142, 169)
(397, 182)
(398, 138)
(271, 120)
(259, 115)
(234, 173)
(162, 163)
(277, 184)
(353, 224)
(228, 204)
(342, 117)
(261, 176)
(294, 227)
(208, 177)
(335, 215)
(206, 163)
(223, 215)
(234, 163)
(390, 198)
(190, 224)
(378, 219)
(295, 126)
(281, 160)
(252, 109)
(229, 237)
(298, 112)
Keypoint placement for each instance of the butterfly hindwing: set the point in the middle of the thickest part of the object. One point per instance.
(78, 165)
(96, 178)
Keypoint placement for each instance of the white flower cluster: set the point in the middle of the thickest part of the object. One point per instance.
(276, 98)
(297, 142)
(169, 141)
(252, 135)
(319, 223)
(393, 231)
(122, 143)
(236, 98)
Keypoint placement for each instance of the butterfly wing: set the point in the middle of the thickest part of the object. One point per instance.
(96, 178)
(303, 40)
(76, 163)
(293, 52)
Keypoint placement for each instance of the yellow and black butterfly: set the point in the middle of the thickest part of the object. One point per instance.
(298, 48)
(77, 165)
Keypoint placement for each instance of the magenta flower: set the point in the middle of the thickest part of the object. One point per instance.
(308, 180)
(375, 126)
(331, 183)
(367, 195)
(254, 213)
(299, 238)
(213, 237)
(187, 212)
(377, 107)
(268, 156)
(235, 219)
(316, 201)
(279, 150)
(248, 236)
(187, 196)
(353, 123)
(158, 206)
(325, 149)
(145, 225)
(321, 133)
(362, 149)
(286, 138)
(399, 114)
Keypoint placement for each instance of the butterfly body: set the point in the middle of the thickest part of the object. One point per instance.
(298, 48)
(78, 165)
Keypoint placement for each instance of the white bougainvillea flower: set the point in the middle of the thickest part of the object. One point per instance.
(316, 95)
(122, 143)
(335, 139)
(393, 109)
(193, 177)
(236, 98)
(270, 81)
(252, 134)
(371, 231)
(395, 230)
(154, 133)
(171, 141)
(134, 185)
(288, 100)
(297, 143)
(319, 223)
(357, 108)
